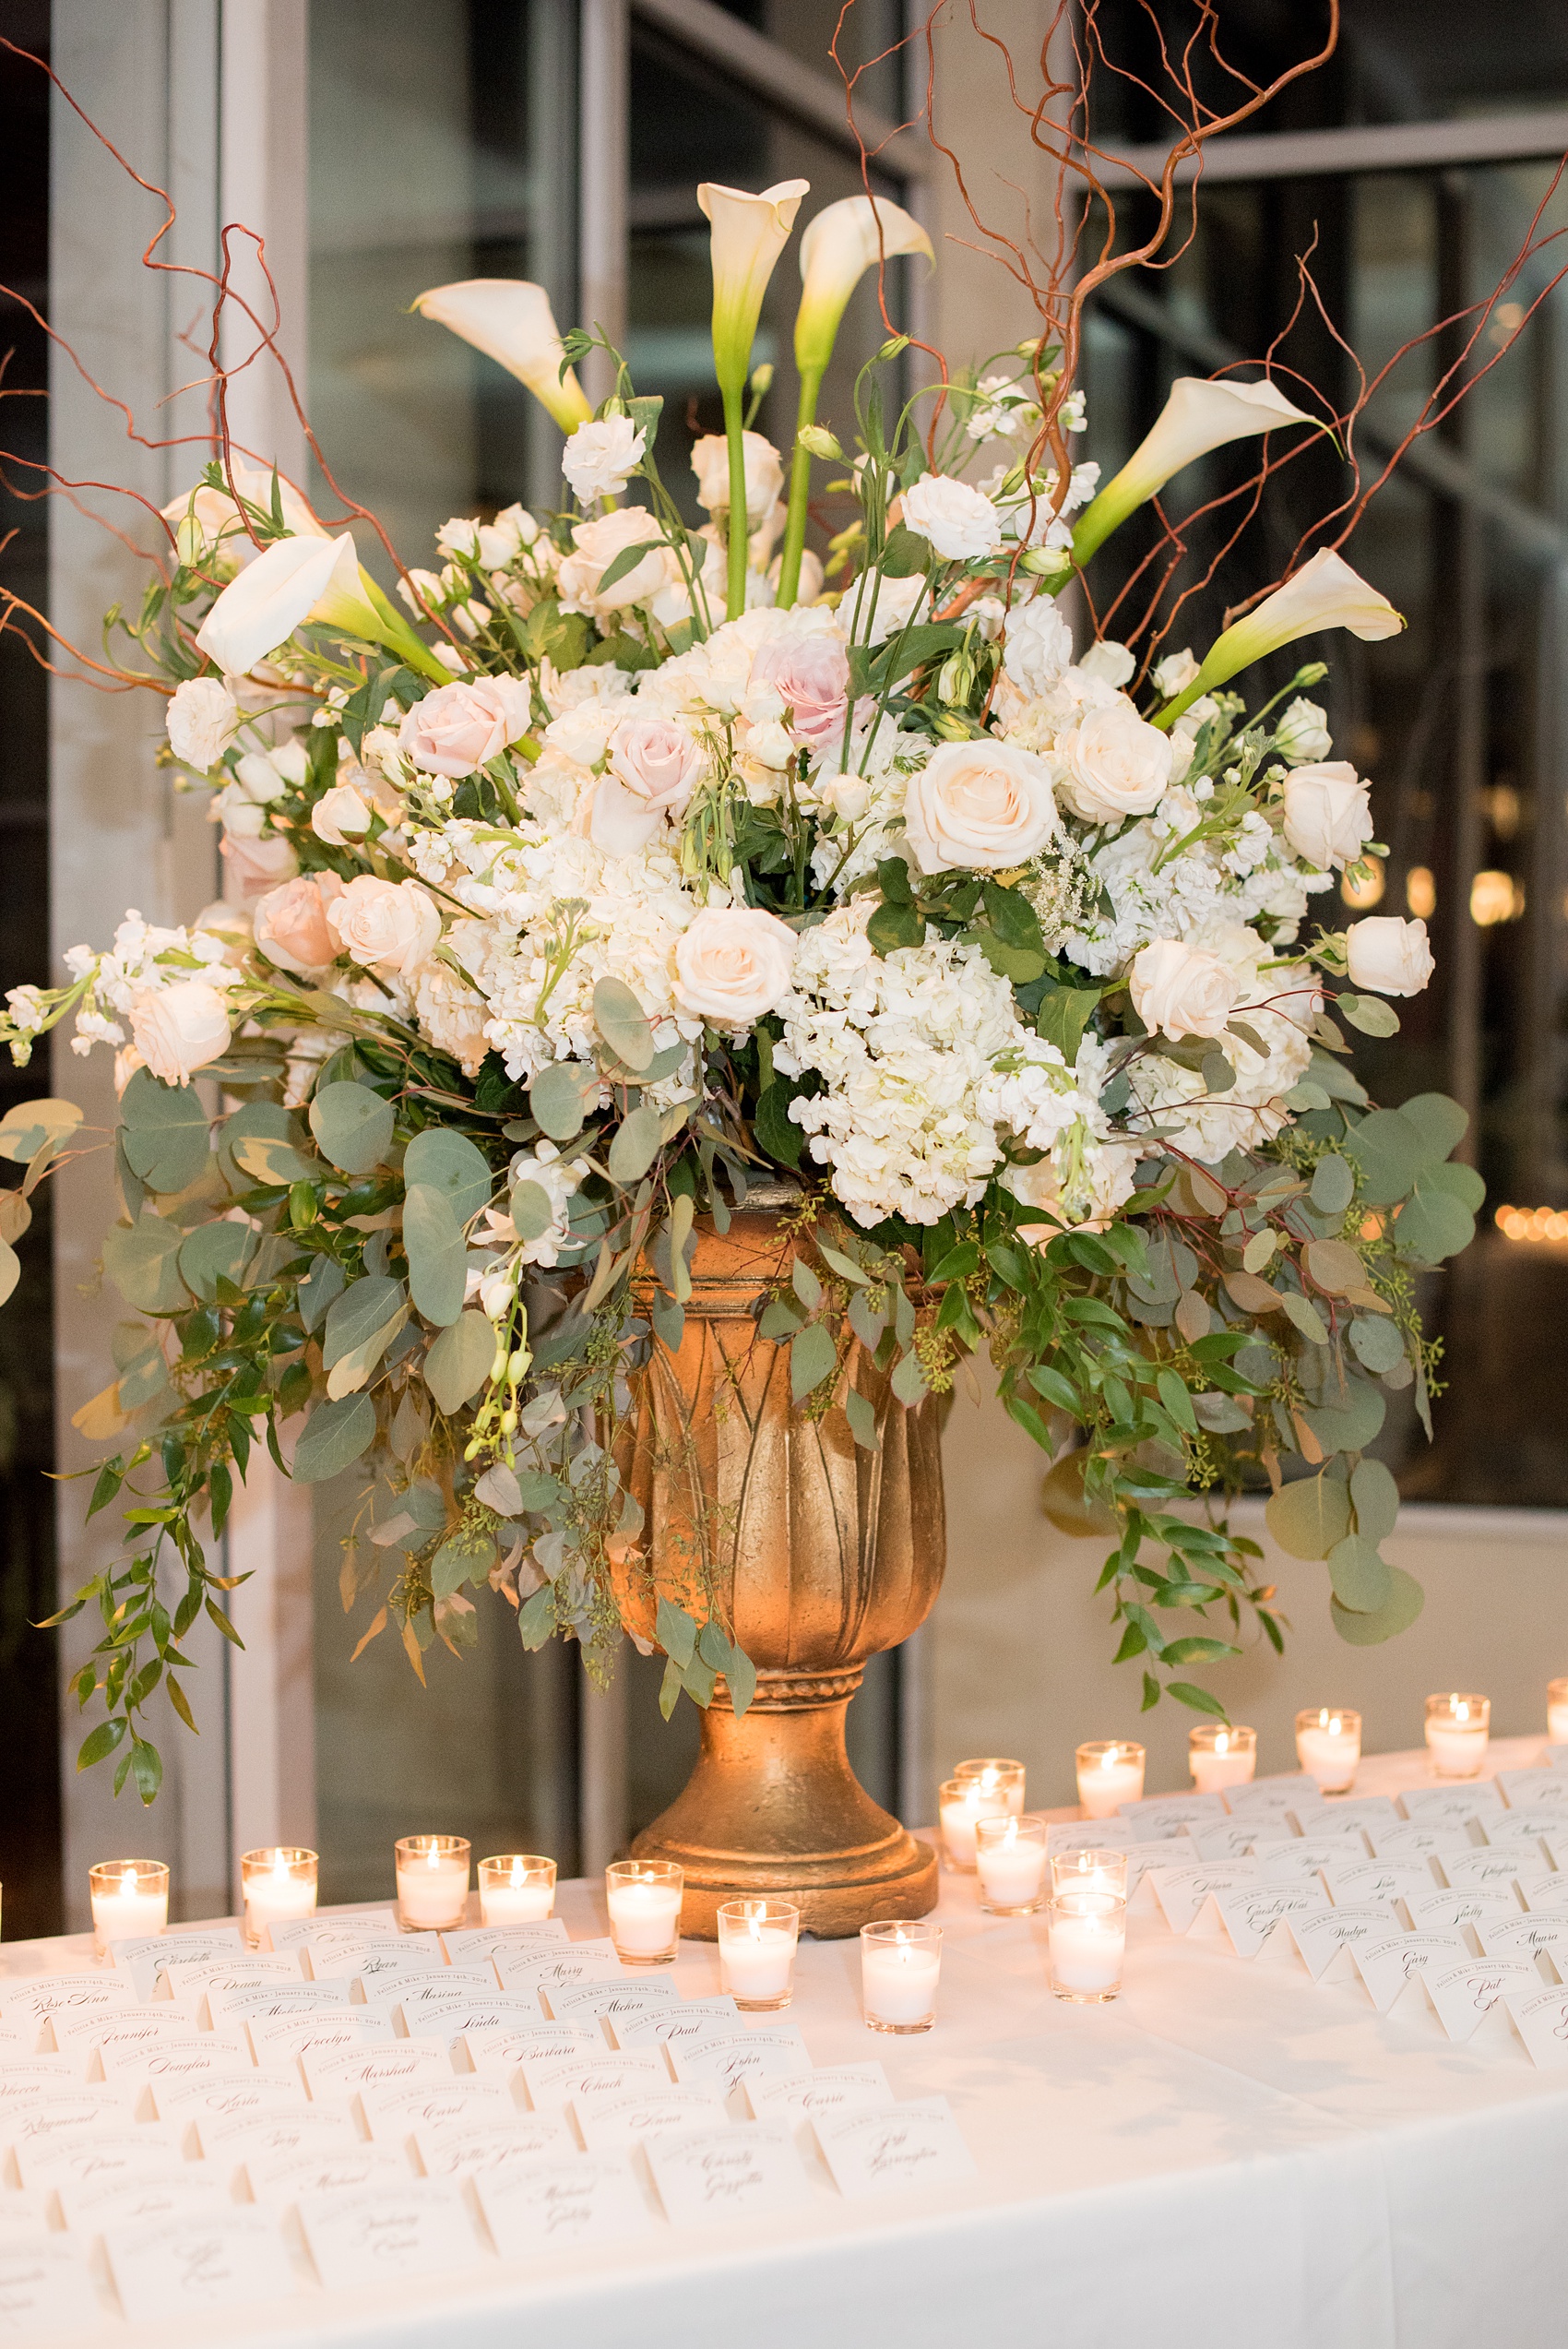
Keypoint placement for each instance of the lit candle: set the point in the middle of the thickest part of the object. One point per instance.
(1557, 1712)
(644, 1899)
(1109, 1774)
(277, 1884)
(900, 1961)
(432, 1882)
(1089, 1870)
(1219, 1757)
(756, 1952)
(1010, 1856)
(129, 1898)
(516, 1888)
(962, 1802)
(996, 1776)
(1458, 1731)
(1328, 1746)
(1089, 1941)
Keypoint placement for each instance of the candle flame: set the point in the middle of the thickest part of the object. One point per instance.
(516, 1875)
(279, 1869)
(1111, 1757)
(1222, 1743)
(988, 1778)
(128, 1880)
(753, 1923)
(433, 1857)
(1461, 1711)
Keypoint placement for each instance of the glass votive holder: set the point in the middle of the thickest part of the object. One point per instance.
(1328, 1746)
(1010, 1860)
(129, 1898)
(1089, 1942)
(516, 1888)
(1458, 1731)
(643, 1899)
(1220, 1757)
(275, 1883)
(432, 1882)
(1557, 1712)
(756, 1953)
(900, 1961)
(1110, 1771)
(962, 1801)
(996, 1775)
(1088, 1871)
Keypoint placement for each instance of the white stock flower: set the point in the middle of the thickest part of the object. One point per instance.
(732, 965)
(1301, 737)
(1038, 646)
(1327, 814)
(1116, 763)
(500, 542)
(985, 805)
(1389, 955)
(960, 524)
(1182, 990)
(389, 926)
(180, 1028)
(600, 457)
(201, 718)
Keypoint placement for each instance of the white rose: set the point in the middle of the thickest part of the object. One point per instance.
(239, 815)
(987, 804)
(1172, 675)
(1303, 737)
(1039, 646)
(179, 1028)
(732, 965)
(764, 473)
(386, 926)
(1389, 955)
(1110, 661)
(598, 544)
(1184, 990)
(201, 718)
(897, 601)
(259, 777)
(1118, 765)
(600, 458)
(339, 815)
(1327, 815)
(959, 522)
(500, 542)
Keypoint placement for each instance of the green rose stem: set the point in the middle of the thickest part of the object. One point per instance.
(1324, 593)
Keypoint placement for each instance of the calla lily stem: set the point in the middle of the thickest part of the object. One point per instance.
(799, 491)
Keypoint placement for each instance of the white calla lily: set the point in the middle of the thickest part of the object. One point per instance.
(1324, 593)
(749, 233)
(1198, 416)
(512, 322)
(296, 579)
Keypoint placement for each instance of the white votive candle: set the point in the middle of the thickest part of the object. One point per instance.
(129, 1898)
(516, 1888)
(1328, 1746)
(1089, 1941)
(432, 1882)
(756, 1952)
(1111, 1772)
(1557, 1712)
(1220, 1758)
(962, 1801)
(1010, 1856)
(1089, 1870)
(276, 1883)
(996, 1775)
(901, 1962)
(644, 1899)
(1458, 1730)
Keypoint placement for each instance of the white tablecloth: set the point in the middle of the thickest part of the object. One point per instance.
(1227, 2153)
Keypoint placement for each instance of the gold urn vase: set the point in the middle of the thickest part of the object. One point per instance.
(820, 1554)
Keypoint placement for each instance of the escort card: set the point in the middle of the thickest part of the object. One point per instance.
(1486, 1867)
(346, 2072)
(396, 2114)
(1181, 1891)
(1088, 1835)
(105, 2202)
(235, 2135)
(206, 1973)
(1314, 1816)
(311, 1932)
(1465, 1994)
(1409, 1840)
(1270, 1797)
(583, 2001)
(1526, 1937)
(70, 2113)
(558, 2206)
(144, 1956)
(1507, 1829)
(524, 1968)
(202, 2056)
(1338, 1826)
(1238, 1838)
(21, 2037)
(277, 2039)
(1380, 1880)
(1540, 2018)
(125, 2151)
(281, 2178)
(1170, 1851)
(694, 2018)
(466, 2151)
(24, 2214)
(727, 2058)
(376, 1968)
(835, 2088)
(502, 2047)
(238, 2001)
(28, 2080)
(121, 2031)
(728, 2174)
(554, 2082)
(376, 2236)
(441, 1992)
(887, 2152)
(1250, 1912)
(1323, 1936)
(1163, 1815)
(45, 2290)
(503, 2010)
(1460, 1908)
(1523, 1789)
(1548, 1892)
(471, 1943)
(1388, 1967)
(1473, 1799)
(183, 2266)
(1308, 1854)
(67, 1994)
(631, 2120)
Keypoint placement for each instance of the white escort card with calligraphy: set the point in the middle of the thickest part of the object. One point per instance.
(563, 2205)
(913, 2145)
(380, 2237)
(190, 2266)
(46, 2289)
(718, 2175)
(473, 2148)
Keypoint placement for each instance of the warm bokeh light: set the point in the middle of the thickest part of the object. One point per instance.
(1532, 1223)
(1495, 897)
(1363, 889)
(1420, 892)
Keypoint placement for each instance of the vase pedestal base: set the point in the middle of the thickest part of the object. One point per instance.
(774, 1810)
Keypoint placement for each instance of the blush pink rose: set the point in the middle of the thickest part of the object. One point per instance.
(291, 923)
(255, 865)
(652, 774)
(461, 728)
(386, 926)
(179, 1028)
(811, 676)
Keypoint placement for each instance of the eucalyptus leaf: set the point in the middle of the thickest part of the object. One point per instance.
(1432, 1225)
(635, 1147)
(623, 1024)
(214, 1251)
(1362, 1581)
(1369, 1013)
(324, 1284)
(811, 1358)
(1405, 1602)
(1352, 1422)
(278, 1164)
(437, 1257)
(1376, 1343)
(334, 1435)
(165, 1131)
(1334, 1180)
(1306, 1317)
(352, 1126)
(458, 1363)
(862, 1415)
(559, 1097)
(365, 1308)
(1375, 1498)
(451, 1164)
(142, 1259)
(1307, 1517)
(30, 1127)
(533, 1210)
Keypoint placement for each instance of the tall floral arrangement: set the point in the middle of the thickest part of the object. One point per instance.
(612, 867)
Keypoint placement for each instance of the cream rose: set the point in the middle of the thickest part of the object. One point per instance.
(386, 926)
(339, 815)
(1389, 955)
(598, 544)
(291, 923)
(255, 865)
(1116, 765)
(1327, 814)
(1184, 990)
(985, 804)
(201, 718)
(732, 965)
(461, 728)
(764, 473)
(179, 1028)
(1301, 736)
(959, 522)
